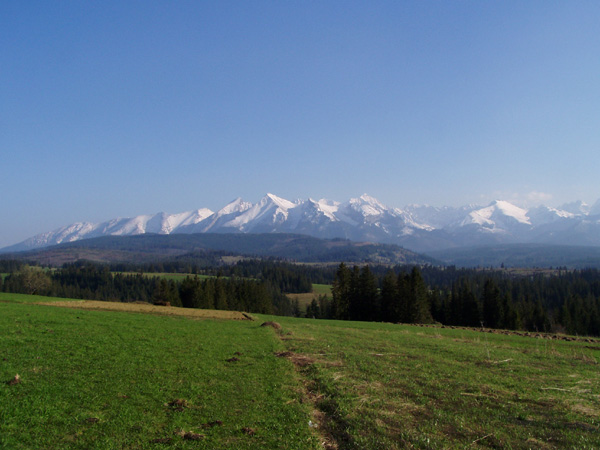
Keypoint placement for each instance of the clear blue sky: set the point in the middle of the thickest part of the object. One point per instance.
(120, 108)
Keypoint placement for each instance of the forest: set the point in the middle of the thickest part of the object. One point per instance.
(568, 302)
(95, 282)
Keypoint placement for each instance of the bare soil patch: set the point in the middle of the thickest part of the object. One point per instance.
(15, 380)
(274, 325)
(299, 360)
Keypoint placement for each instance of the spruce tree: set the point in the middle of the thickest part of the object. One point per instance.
(340, 292)
(390, 307)
(368, 296)
(492, 305)
(419, 309)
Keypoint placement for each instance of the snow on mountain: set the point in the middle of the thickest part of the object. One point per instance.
(359, 210)
(68, 233)
(432, 217)
(367, 206)
(542, 215)
(595, 209)
(214, 221)
(236, 206)
(160, 223)
(577, 208)
(497, 217)
(264, 216)
(417, 227)
(327, 207)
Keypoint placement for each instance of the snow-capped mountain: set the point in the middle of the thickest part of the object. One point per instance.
(419, 228)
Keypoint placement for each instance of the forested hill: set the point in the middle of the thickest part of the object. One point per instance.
(208, 249)
(521, 255)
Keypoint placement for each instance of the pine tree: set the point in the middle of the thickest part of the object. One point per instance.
(340, 292)
(493, 315)
(354, 300)
(420, 310)
(390, 306)
(368, 296)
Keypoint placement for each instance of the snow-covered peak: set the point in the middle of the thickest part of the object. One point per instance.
(497, 211)
(327, 207)
(175, 221)
(235, 206)
(544, 214)
(361, 219)
(281, 202)
(269, 211)
(367, 205)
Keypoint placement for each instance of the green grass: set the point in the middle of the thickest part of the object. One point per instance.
(103, 380)
(322, 289)
(169, 276)
(24, 298)
(306, 298)
(389, 386)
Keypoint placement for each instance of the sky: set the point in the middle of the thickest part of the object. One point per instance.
(119, 108)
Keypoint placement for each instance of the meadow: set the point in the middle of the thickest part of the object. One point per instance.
(304, 299)
(385, 386)
(93, 379)
(102, 379)
(169, 276)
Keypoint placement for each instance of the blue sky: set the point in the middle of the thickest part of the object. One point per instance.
(122, 108)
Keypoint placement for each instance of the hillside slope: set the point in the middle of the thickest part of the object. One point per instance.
(212, 246)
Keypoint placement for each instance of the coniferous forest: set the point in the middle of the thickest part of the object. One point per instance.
(564, 301)
(568, 302)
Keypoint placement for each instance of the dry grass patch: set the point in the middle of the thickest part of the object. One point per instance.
(146, 308)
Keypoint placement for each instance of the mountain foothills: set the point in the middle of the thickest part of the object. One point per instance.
(216, 249)
(420, 228)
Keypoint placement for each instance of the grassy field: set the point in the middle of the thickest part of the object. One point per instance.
(147, 308)
(93, 379)
(168, 275)
(384, 386)
(118, 380)
(305, 298)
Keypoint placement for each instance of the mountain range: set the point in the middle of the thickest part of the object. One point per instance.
(420, 228)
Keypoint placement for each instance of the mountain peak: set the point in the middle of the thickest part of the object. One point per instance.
(576, 207)
(364, 218)
(371, 201)
(281, 202)
(237, 205)
(367, 205)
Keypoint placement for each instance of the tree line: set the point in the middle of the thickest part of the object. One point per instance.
(556, 301)
(568, 302)
(99, 283)
(290, 278)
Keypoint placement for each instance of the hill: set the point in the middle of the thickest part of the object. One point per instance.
(521, 255)
(210, 248)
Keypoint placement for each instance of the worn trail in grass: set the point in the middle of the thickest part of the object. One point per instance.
(117, 380)
(384, 386)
